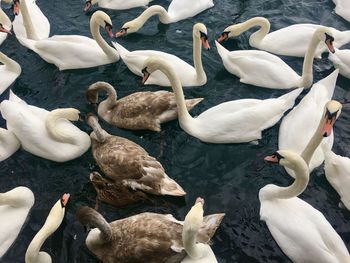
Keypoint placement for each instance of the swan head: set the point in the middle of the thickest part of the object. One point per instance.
(129, 27)
(287, 159)
(332, 111)
(89, 4)
(194, 217)
(20, 196)
(152, 64)
(200, 31)
(230, 31)
(324, 34)
(103, 20)
(4, 30)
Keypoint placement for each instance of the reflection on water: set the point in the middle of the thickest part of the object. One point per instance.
(227, 176)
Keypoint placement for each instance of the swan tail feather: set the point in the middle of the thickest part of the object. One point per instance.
(209, 226)
(170, 187)
(121, 50)
(290, 97)
(193, 102)
(329, 82)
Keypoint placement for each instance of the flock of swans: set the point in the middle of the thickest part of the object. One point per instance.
(132, 175)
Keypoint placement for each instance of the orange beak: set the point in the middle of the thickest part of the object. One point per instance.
(271, 159)
(65, 199)
(120, 33)
(87, 6)
(109, 31)
(200, 200)
(205, 43)
(16, 8)
(222, 37)
(145, 77)
(330, 46)
(327, 128)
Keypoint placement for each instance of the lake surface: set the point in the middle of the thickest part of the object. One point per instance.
(228, 176)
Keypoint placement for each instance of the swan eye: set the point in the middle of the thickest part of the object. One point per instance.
(279, 157)
(144, 71)
(108, 26)
(329, 38)
(203, 35)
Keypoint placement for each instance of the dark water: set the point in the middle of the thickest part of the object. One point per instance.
(227, 176)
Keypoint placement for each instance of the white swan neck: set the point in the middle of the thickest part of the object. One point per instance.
(197, 59)
(307, 76)
(27, 22)
(295, 189)
(152, 11)
(99, 132)
(314, 142)
(189, 239)
(95, 32)
(59, 134)
(184, 116)
(258, 36)
(53, 221)
(9, 63)
(6, 20)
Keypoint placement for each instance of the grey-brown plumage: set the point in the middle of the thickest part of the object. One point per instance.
(125, 161)
(138, 111)
(146, 237)
(114, 193)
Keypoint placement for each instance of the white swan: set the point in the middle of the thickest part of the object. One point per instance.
(116, 4)
(341, 60)
(14, 208)
(305, 118)
(178, 10)
(288, 41)
(332, 110)
(229, 122)
(342, 8)
(300, 230)
(196, 252)
(263, 69)
(9, 72)
(46, 134)
(189, 75)
(5, 26)
(9, 144)
(53, 221)
(30, 22)
(337, 170)
(74, 51)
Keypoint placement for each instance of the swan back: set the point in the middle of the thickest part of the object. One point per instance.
(306, 117)
(14, 208)
(9, 144)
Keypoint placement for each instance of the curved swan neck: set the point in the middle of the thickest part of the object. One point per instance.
(4, 19)
(299, 185)
(256, 37)
(175, 82)
(98, 131)
(52, 222)
(197, 59)
(189, 239)
(307, 76)
(57, 133)
(9, 63)
(95, 32)
(27, 22)
(151, 11)
(314, 142)
(111, 92)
